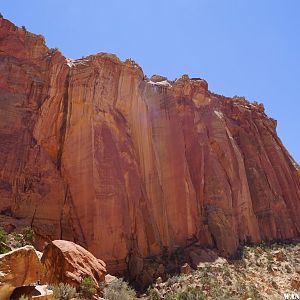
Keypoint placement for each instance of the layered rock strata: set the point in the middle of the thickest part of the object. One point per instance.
(94, 152)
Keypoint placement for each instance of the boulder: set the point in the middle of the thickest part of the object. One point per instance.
(109, 279)
(158, 78)
(18, 267)
(280, 256)
(186, 269)
(67, 262)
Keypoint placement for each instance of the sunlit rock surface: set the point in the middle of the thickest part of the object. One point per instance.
(67, 262)
(17, 268)
(94, 152)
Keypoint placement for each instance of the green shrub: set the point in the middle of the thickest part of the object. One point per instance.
(25, 237)
(119, 290)
(87, 288)
(28, 235)
(175, 279)
(3, 235)
(3, 240)
(253, 292)
(63, 291)
(18, 239)
(186, 294)
(154, 294)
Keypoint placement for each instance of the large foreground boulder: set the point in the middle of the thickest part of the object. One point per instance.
(68, 262)
(18, 267)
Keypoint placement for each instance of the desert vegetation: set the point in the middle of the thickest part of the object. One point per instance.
(263, 272)
(62, 291)
(10, 241)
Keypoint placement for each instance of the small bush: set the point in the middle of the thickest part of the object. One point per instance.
(154, 294)
(3, 235)
(226, 271)
(28, 235)
(87, 288)
(186, 294)
(175, 279)
(3, 240)
(18, 239)
(63, 291)
(265, 246)
(253, 292)
(119, 290)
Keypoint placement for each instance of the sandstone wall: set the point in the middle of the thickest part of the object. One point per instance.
(94, 152)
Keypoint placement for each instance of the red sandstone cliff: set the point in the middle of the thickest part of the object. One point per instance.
(92, 151)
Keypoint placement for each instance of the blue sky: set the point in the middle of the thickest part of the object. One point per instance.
(246, 48)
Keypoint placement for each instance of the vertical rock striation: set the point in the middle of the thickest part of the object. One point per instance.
(94, 152)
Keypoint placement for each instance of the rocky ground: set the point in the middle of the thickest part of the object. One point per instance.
(263, 272)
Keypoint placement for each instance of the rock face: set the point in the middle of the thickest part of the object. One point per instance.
(93, 152)
(22, 272)
(67, 262)
(17, 268)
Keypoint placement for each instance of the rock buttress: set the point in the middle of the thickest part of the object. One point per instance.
(93, 152)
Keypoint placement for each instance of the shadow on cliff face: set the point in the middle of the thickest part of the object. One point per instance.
(29, 291)
(142, 273)
(265, 271)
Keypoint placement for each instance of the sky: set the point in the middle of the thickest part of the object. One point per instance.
(245, 48)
